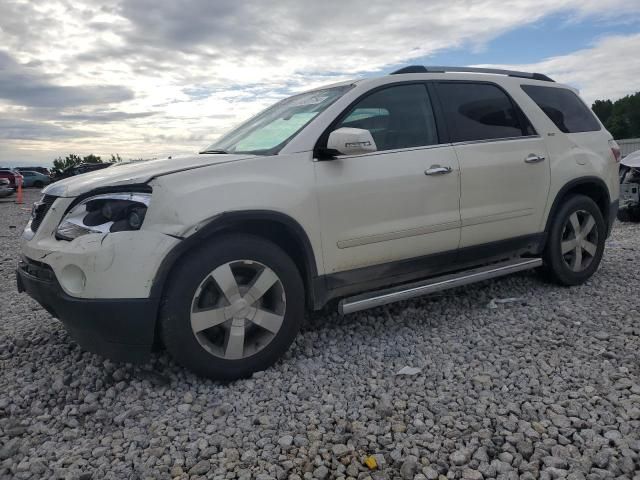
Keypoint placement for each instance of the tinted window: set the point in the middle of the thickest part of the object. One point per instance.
(397, 117)
(564, 108)
(479, 111)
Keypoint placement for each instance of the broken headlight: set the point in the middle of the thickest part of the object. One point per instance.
(110, 212)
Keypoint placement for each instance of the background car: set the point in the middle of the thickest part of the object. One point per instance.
(11, 175)
(78, 169)
(5, 188)
(42, 170)
(630, 188)
(35, 179)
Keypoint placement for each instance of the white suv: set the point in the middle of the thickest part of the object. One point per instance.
(371, 191)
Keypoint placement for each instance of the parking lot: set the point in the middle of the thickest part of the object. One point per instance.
(515, 378)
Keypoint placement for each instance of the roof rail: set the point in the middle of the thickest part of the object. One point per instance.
(495, 71)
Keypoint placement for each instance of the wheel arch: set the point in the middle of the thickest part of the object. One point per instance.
(592, 187)
(276, 227)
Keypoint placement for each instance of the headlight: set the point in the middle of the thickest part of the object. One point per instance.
(110, 212)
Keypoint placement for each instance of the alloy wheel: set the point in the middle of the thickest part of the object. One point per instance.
(579, 242)
(238, 309)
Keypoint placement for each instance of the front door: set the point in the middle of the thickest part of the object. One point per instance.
(399, 202)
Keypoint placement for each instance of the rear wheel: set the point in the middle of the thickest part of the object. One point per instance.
(232, 307)
(576, 241)
(38, 184)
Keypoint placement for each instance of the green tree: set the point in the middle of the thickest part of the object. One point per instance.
(603, 109)
(71, 160)
(622, 117)
(91, 158)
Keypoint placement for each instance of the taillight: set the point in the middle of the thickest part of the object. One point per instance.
(615, 149)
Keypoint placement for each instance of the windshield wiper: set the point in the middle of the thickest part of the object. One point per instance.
(214, 151)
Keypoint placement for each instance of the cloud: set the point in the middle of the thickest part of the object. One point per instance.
(28, 130)
(157, 77)
(102, 117)
(257, 43)
(23, 85)
(607, 70)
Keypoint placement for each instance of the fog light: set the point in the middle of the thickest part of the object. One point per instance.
(73, 279)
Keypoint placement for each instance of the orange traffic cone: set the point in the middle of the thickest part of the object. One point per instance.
(19, 200)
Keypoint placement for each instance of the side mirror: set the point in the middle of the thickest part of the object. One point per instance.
(351, 141)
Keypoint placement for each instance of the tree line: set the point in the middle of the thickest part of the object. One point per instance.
(622, 117)
(71, 160)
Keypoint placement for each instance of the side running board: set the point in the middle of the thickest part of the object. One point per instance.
(436, 284)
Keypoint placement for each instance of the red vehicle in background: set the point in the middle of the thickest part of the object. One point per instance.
(12, 175)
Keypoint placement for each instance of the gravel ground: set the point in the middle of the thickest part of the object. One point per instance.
(547, 386)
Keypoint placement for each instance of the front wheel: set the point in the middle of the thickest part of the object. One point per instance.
(232, 307)
(576, 241)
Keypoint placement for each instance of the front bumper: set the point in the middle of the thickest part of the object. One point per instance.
(119, 329)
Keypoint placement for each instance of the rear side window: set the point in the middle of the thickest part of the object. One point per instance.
(481, 111)
(564, 108)
(397, 117)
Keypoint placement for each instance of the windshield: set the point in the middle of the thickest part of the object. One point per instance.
(270, 130)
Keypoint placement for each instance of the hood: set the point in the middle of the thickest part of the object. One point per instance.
(632, 160)
(134, 172)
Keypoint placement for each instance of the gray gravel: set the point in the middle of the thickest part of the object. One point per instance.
(547, 386)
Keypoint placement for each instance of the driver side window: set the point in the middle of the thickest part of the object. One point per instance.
(397, 117)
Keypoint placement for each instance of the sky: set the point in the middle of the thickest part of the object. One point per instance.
(150, 78)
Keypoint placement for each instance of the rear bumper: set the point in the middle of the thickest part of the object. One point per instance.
(119, 329)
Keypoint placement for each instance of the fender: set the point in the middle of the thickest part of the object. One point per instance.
(577, 182)
(235, 220)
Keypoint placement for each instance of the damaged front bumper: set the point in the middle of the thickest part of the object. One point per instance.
(119, 329)
(630, 190)
(98, 285)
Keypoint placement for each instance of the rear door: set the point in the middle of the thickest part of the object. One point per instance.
(504, 169)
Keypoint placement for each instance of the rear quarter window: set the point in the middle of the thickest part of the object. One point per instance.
(564, 108)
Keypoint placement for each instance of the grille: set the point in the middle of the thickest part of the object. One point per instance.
(40, 210)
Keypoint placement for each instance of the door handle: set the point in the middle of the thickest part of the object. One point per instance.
(533, 158)
(437, 170)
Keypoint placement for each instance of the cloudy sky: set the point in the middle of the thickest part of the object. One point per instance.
(145, 78)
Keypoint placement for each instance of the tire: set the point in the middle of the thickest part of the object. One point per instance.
(629, 215)
(624, 215)
(38, 184)
(570, 268)
(226, 336)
